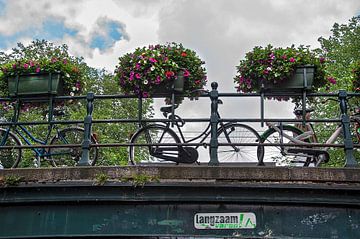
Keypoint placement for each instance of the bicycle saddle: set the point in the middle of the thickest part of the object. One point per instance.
(167, 109)
(300, 111)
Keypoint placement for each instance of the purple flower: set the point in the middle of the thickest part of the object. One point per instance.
(14, 66)
(65, 61)
(158, 80)
(331, 80)
(322, 60)
(137, 66)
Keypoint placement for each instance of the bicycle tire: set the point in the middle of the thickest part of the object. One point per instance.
(154, 133)
(275, 153)
(10, 158)
(237, 134)
(63, 157)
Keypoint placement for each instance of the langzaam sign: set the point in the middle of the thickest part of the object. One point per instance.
(242, 220)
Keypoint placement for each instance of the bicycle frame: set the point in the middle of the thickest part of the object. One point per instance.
(203, 136)
(307, 134)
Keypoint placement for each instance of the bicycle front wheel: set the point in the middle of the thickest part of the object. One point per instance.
(9, 157)
(142, 152)
(70, 156)
(278, 154)
(236, 134)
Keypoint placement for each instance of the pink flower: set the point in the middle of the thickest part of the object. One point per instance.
(132, 75)
(322, 60)
(14, 66)
(137, 66)
(265, 72)
(37, 70)
(158, 80)
(186, 73)
(272, 56)
(145, 94)
(53, 60)
(26, 66)
(65, 61)
(284, 57)
(31, 63)
(153, 60)
(292, 59)
(137, 76)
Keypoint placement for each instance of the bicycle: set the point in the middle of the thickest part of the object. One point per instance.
(299, 155)
(10, 156)
(158, 143)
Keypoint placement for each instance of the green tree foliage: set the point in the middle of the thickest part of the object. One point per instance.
(342, 50)
(97, 81)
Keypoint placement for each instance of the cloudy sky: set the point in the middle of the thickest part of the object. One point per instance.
(220, 31)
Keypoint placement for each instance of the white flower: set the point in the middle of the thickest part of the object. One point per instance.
(67, 75)
(269, 68)
(146, 82)
(152, 68)
(72, 94)
(73, 88)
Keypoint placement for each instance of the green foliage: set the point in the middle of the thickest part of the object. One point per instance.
(276, 65)
(101, 179)
(12, 180)
(141, 179)
(42, 57)
(341, 50)
(146, 69)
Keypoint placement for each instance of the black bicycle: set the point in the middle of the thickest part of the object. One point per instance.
(159, 143)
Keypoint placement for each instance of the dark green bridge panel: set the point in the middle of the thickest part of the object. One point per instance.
(175, 219)
(292, 203)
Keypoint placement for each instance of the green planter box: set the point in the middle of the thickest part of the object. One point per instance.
(301, 80)
(177, 85)
(36, 85)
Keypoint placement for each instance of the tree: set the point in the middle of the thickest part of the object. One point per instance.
(97, 81)
(342, 50)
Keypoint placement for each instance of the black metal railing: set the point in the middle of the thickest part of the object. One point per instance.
(213, 95)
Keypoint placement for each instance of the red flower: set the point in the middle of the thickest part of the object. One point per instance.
(169, 74)
(183, 54)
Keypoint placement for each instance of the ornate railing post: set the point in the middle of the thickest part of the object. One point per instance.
(345, 121)
(85, 159)
(214, 120)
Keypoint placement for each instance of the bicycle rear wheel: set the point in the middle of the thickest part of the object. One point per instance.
(152, 134)
(278, 154)
(236, 134)
(70, 156)
(10, 157)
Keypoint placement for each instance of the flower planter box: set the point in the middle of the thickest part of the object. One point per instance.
(35, 85)
(301, 80)
(177, 86)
